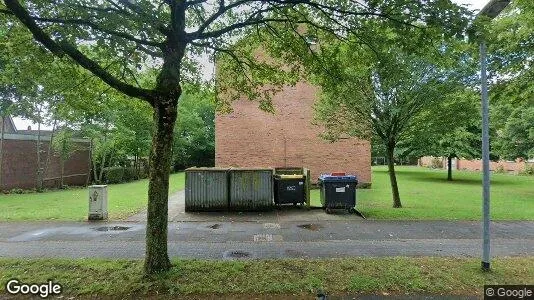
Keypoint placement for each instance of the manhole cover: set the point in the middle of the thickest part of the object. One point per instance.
(215, 226)
(236, 254)
(112, 228)
(312, 227)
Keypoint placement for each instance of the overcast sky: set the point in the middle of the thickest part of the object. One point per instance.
(473, 4)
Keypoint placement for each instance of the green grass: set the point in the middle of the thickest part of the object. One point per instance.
(291, 277)
(71, 205)
(426, 194)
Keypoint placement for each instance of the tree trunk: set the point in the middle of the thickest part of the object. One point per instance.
(90, 163)
(2, 149)
(50, 151)
(95, 174)
(62, 163)
(39, 169)
(449, 168)
(393, 177)
(156, 259)
(102, 166)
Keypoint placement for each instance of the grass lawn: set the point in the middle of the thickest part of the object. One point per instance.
(426, 194)
(288, 278)
(71, 205)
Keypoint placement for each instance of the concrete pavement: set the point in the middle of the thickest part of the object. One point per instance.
(287, 214)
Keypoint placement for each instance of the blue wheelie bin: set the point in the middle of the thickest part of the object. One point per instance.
(338, 192)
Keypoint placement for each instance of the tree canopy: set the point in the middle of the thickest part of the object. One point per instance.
(117, 40)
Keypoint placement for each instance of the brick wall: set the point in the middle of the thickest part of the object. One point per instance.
(19, 164)
(476, 164)
(249, 137)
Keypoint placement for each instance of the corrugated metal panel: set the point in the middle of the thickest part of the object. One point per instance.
(251, 189)
(206, 189)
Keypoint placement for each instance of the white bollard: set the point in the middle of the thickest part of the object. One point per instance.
(98, 202)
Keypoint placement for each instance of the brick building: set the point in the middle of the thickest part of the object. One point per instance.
(249, 137)
(19, 160)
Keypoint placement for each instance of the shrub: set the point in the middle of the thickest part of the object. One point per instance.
(143, 173)
(114, 175)
(17, 191)
(529, 170)
(436, 163)
(130, 174)
(500, 169)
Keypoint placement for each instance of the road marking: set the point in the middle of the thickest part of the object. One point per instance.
(268, 238)
(271, 225)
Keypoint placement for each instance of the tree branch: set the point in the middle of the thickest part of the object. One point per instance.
(98, 28)
(194, 2)
(61, 48)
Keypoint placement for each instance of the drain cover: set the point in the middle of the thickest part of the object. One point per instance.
(236, 254)
(112, 228)
(312, 227)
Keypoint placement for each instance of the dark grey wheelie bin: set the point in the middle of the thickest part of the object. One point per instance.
(289, 189)
(338, 192)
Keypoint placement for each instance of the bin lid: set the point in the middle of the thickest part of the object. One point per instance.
(294, 176)
(329, 177)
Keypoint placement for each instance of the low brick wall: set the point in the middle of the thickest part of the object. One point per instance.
(19, 163)
(476, 164)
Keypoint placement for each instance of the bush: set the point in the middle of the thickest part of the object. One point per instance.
(130, 174)
(17, 191)
(529, 170)
(436, 163)
(114, 175)
(500, 170)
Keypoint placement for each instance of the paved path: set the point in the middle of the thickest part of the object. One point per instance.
(287, 214)
(224, 240)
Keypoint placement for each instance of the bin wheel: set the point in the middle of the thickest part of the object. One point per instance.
(351, 210)
(328, 210)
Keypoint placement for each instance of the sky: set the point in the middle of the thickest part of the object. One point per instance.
(208, 69)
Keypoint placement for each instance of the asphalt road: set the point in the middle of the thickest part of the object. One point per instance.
(243, 240)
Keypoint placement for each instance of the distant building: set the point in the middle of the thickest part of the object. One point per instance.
(9, 126)
(19, 160)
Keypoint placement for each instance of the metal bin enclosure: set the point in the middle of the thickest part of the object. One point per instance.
(251, 189)
(289, 189)
(206, 189)
(338, 192)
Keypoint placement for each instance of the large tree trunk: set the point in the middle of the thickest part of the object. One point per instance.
(156, 259)
(449, 168)
(393, 177)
